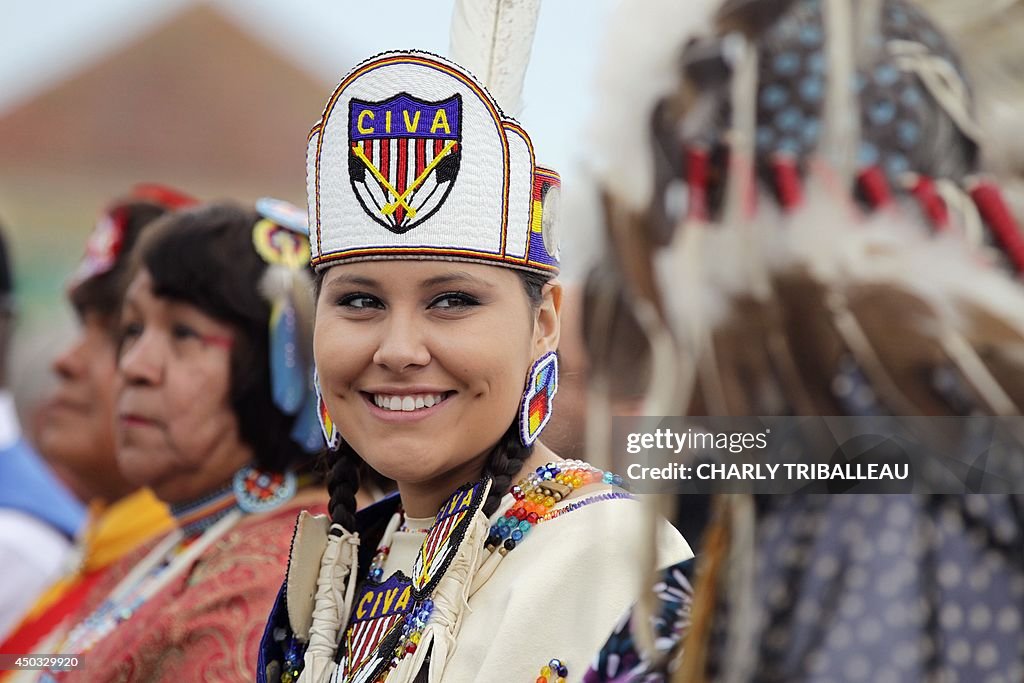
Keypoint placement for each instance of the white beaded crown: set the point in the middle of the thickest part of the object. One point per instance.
(414, 159)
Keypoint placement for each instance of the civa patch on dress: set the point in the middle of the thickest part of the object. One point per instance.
(389, 622)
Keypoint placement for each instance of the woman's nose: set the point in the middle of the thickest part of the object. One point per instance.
(143, 361)
(70, 363)
(402, 345)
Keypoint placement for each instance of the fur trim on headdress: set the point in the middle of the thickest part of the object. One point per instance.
(641, 65)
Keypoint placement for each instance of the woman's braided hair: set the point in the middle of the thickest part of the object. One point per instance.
(342, 484)
(505, 461)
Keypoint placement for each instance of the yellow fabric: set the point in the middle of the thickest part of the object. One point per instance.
(110, 532)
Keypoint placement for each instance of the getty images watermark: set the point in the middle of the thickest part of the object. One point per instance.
(820, 454)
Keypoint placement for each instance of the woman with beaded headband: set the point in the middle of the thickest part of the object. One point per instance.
(216, 414)
(433, 237)
(823, 156)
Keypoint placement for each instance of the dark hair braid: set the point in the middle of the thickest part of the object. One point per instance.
(505, 462)
(342, 484)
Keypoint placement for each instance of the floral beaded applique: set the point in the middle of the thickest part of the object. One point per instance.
(621, 660)
(537, 494)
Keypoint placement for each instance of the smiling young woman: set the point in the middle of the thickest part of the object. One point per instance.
(433, 368)
(434, 237)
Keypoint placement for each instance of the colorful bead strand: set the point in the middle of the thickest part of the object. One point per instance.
(576, 505)
(412, 629)
(553, 668)
(376, 570)
(537, 494)
(293, 655)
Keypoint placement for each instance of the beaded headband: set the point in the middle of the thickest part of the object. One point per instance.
(413, 159)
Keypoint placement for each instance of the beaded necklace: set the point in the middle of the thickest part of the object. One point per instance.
(537, 494)
(380, 557)
(577, 504)
(197, 516)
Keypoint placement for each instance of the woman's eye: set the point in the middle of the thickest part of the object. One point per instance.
(360, 301)
(180, 331)
(129, 332)
(451, 300)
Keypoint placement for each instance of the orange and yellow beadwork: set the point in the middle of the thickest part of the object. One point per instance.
(553, 672)
(330, 430)
(535, 409)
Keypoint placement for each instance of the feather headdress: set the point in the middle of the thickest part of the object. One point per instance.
(815, 214)
(751, 200)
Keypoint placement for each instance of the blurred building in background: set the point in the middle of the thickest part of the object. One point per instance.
(197, 101)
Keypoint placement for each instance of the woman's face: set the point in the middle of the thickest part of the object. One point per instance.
(422, 364)
(176, 430)
(83, 406)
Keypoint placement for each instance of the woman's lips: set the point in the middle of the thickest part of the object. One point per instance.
(132, 420)
(64, 403)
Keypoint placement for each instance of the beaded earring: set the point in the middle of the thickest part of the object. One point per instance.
(535, 409)
(330, 430)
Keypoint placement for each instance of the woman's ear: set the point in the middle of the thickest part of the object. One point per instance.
(547, 325)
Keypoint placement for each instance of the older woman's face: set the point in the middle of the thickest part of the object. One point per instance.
(176, 430)
(422, 363)
(76, 433)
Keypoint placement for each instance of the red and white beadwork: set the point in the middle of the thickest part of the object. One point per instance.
(259, 491)
(535, 409)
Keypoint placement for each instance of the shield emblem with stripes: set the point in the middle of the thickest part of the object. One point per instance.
(404, 157)
(375, 628)
(447, 533)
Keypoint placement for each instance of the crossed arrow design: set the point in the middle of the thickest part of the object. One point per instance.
(401, 197)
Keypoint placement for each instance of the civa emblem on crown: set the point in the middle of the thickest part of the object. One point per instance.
(404, 156)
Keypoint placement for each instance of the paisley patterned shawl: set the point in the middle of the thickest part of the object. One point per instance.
(205, 625)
